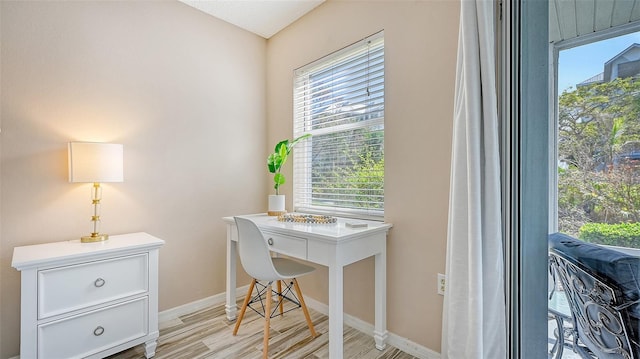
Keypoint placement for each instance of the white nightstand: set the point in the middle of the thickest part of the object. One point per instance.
(82, 300)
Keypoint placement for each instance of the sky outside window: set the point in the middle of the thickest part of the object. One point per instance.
(580, 63)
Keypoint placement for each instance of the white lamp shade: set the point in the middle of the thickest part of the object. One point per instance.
(95, 162)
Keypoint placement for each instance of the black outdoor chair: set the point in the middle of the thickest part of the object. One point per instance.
(603, 290)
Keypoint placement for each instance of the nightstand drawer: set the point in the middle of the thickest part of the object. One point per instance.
(69, 288)
(288, 245)
(92, 332)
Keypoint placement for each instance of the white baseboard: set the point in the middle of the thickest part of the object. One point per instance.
(397, 341)
(217, 299)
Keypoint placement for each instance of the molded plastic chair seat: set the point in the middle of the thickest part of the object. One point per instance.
(288, 268)
(257, 262)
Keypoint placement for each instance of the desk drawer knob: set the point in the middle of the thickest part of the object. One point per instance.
(99, 282)
(270, 241)
(98, 331)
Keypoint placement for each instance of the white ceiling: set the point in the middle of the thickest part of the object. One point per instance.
(569, 19)
(262, 17)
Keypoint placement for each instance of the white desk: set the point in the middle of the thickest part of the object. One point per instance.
(331, 245)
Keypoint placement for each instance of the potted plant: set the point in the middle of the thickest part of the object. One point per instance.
(275, 161)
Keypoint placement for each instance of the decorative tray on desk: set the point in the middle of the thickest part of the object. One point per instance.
(307, 218)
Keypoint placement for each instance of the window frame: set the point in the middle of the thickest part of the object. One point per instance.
(303, 162)
(554, 53)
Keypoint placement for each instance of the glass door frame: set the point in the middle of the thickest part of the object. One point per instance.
(524, 107)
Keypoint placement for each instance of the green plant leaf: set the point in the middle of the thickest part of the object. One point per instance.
(283, 149)
(278, 149)
(281, 154)
(293, 143)
(271, 163)
(277, 159)
(279, 179)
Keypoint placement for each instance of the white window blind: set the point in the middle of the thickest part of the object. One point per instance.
(339, 99)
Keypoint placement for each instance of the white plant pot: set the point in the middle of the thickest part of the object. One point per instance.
(276, 204)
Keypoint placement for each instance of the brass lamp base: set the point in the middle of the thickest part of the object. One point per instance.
(94, 237)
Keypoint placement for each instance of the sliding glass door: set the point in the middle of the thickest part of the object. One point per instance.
(571, 150)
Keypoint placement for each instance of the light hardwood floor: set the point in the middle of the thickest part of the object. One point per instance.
(208, 334)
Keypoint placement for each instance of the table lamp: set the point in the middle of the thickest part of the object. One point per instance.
(93, 162)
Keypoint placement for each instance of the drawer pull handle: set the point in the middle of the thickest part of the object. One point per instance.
(99, 282)
(98, 331)
(270, 241)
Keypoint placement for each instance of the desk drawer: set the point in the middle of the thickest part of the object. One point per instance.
(89, 333)
(288, 245)
(65, 289)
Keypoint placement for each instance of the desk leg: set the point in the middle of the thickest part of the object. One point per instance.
(231, 308)
(336, 313)
(380, 333)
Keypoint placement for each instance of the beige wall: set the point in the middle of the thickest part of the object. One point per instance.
(184, 93)
(420, 56)
(187, 95)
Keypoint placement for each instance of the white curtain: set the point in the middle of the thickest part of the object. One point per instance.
(474, 304)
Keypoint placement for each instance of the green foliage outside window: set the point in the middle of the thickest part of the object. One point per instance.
(364, 182)
(599, 157)
(619, 234)
(353, 176)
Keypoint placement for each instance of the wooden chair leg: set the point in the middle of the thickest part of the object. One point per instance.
(244, 307)
(280, 297)
(304, 309)
(267, 319)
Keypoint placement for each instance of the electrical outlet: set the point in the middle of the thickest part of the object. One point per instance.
(442, 279)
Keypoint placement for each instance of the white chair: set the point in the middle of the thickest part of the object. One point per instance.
(257, 262)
